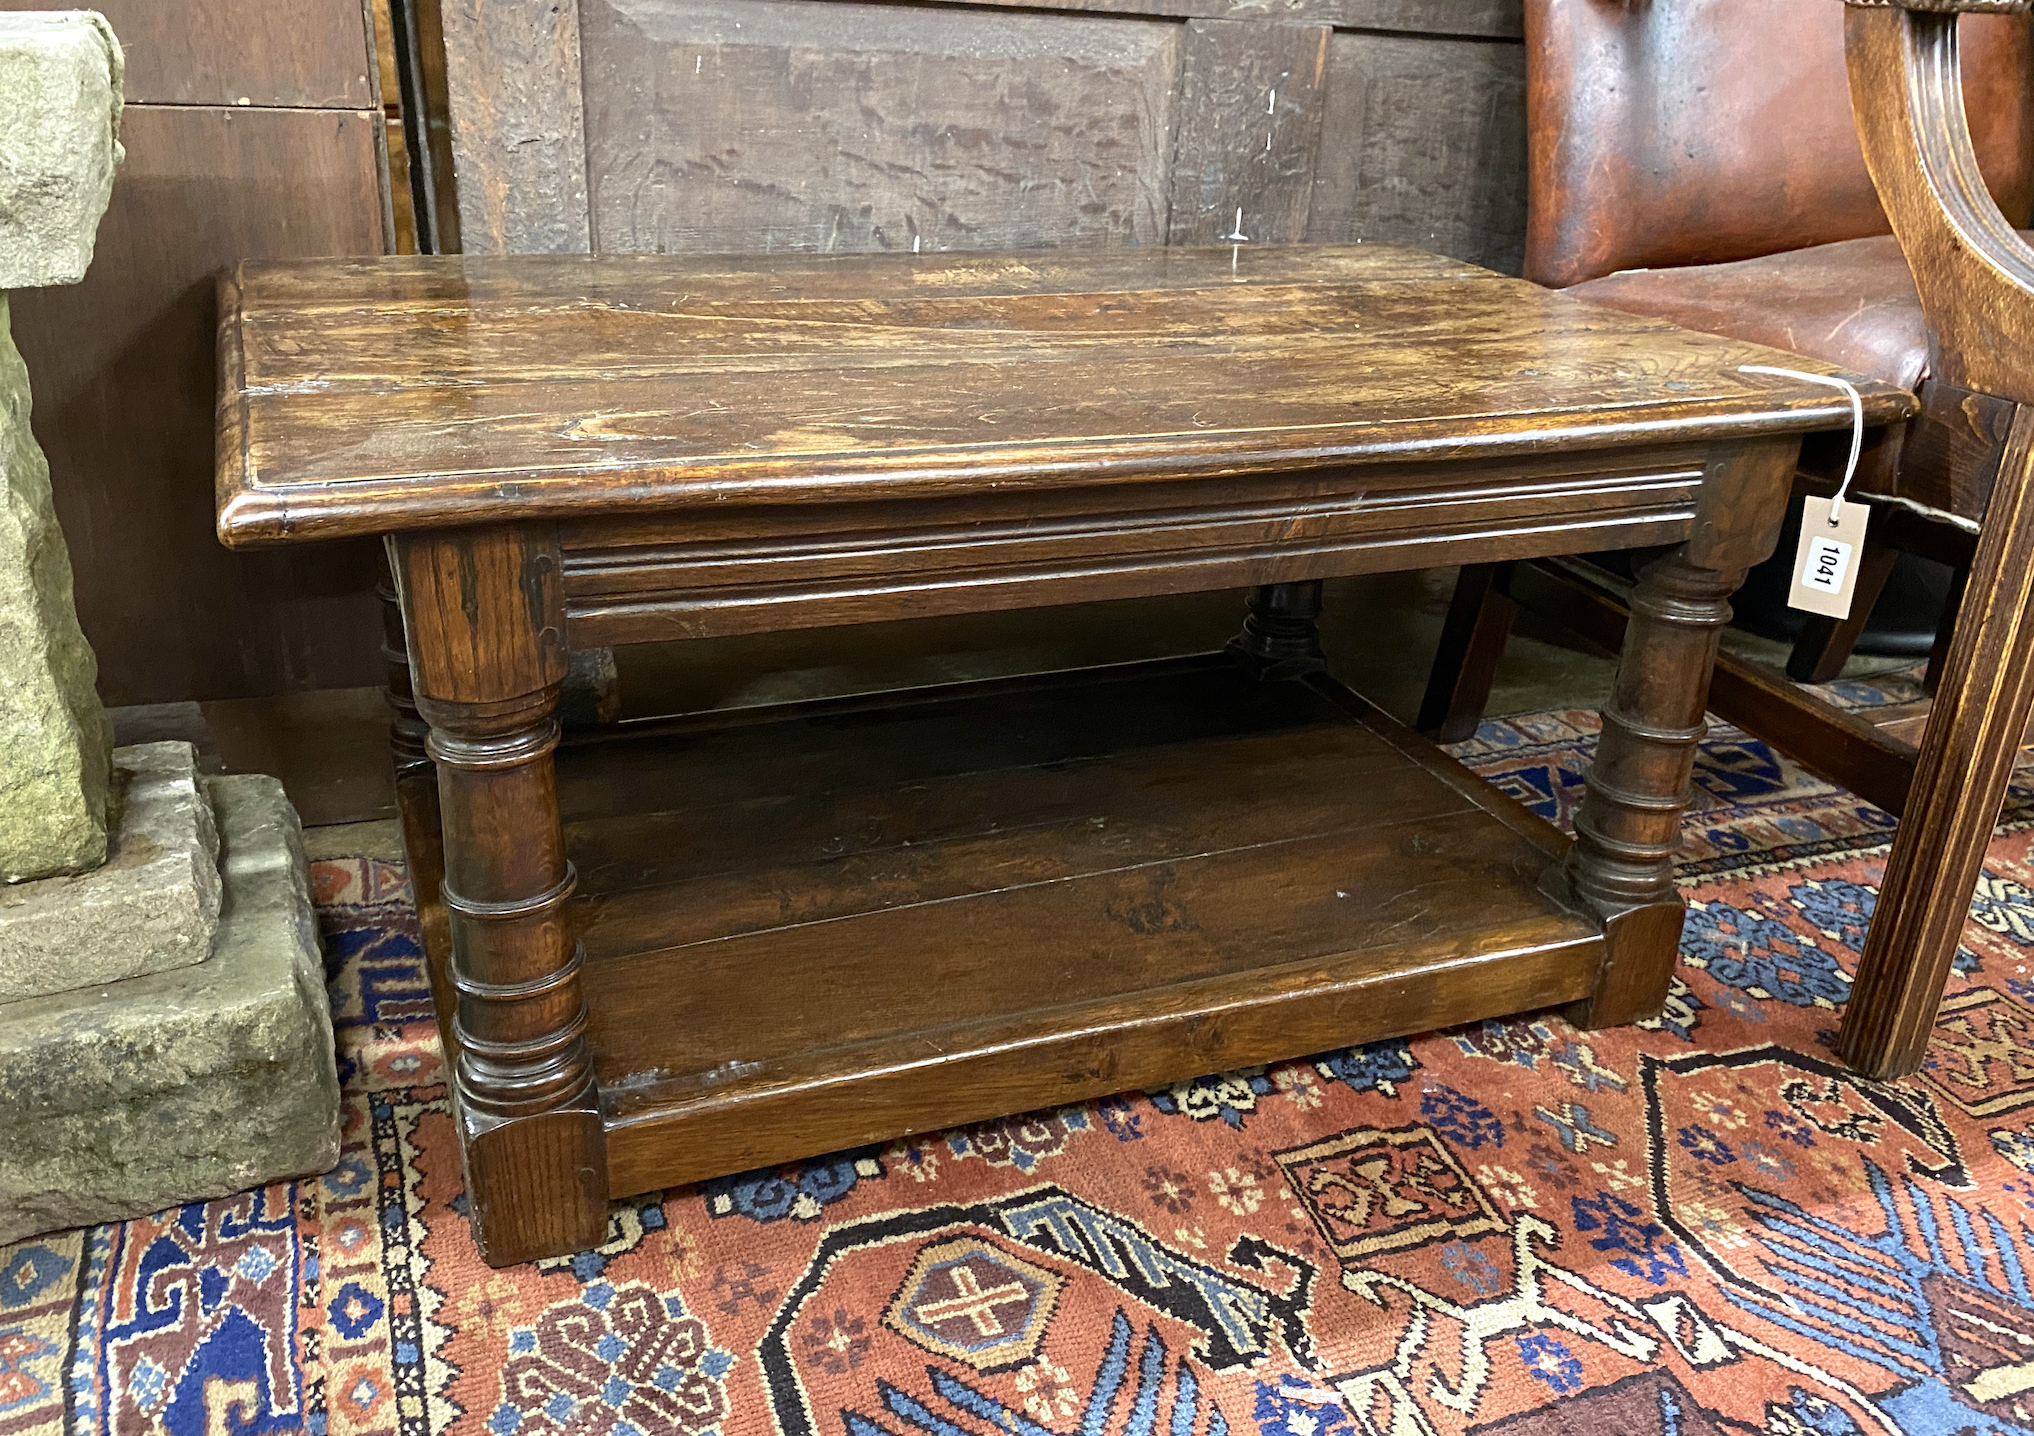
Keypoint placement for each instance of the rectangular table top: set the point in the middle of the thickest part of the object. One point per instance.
(371, 395)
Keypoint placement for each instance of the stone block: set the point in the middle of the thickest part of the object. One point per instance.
(152, 906)
(195, 1083)
(55, 740)
(60, 75)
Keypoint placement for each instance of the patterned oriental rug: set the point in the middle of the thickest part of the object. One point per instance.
(1698, 1227)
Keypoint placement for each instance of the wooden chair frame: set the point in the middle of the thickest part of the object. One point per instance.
(1976, 280)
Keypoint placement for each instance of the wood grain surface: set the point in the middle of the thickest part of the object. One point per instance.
(306, 54)
(1482, 19)
(778, 124)
(1974, 272)
(1243, 82)
(736, 568)
(418, 392)
(767, 125)
(1424, 143)
(1086, 879)
(518, 131)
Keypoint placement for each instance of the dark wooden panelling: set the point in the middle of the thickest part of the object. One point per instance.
(123, 373)
(1249, 127)
(239, 52)
(512, 86)
(403, 220)
(431, 124)
(783, 124)
(772, 124)
(1488, 19)
(1424, 143)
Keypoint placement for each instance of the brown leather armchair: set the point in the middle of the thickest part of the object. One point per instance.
(1696, 160)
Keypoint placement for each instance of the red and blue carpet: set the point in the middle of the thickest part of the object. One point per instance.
(1702, 1226)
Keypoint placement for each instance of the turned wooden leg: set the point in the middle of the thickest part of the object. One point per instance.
(1974, 733)
(416, 785)
(1628, 829)
(1281, 635)
(1825, 643)
(485, 624)
(1479, 621)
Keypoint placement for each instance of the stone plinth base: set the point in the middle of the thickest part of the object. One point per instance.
(154, 904)
(125, 1098)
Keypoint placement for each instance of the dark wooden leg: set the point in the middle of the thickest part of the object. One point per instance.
(1281, 635)
(1479, 622)
(416, 783)
(1945, 631)
(1974, 733)
(1825, 643)
(485, 624)
(1629, 827)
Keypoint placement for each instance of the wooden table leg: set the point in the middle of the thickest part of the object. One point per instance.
(1974, 733)
(1628, 830)
(1281, 635)
(416, 786)
(485, 622)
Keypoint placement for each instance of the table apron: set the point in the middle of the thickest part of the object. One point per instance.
(700, 575)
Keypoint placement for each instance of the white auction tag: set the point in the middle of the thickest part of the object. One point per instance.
(1832, 531)
(1825, 565)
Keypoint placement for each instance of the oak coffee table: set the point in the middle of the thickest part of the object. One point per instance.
(678, 949)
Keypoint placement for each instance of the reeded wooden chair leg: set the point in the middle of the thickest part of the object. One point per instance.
(1825, 643)
(1628, 830)
(1945, 631)
(1974, 733)
(485, 628)
(1480, 617)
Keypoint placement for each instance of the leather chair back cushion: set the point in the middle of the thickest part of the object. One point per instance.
(1671, 132)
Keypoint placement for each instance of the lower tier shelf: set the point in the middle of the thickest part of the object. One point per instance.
(820, 925)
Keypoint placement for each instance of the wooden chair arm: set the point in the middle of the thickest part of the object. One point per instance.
(1974, 272)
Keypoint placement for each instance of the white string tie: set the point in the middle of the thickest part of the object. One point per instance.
(1857, 424)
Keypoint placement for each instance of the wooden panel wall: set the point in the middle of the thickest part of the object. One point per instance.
(700, 125)
(1239, 80)
(784, 124)
(266, 53)
(1428, 146)
(253, 128)
(518, 134)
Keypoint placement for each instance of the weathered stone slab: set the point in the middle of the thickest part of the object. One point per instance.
(55, 740)
(60, 77)
(152, 906)
(127, 1098)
